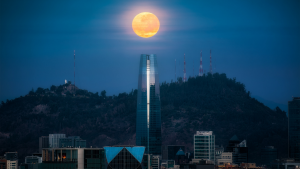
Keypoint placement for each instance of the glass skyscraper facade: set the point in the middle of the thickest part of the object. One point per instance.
(54, 140)
(148, 121)
(294, 128)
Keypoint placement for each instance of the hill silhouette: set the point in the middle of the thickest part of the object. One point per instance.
(211, 102)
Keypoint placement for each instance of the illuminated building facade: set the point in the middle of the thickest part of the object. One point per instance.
(148, 121)
(78, 158)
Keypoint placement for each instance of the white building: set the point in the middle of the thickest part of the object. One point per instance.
(12, 164)
(33, 159)
(155, 162)
(226, 157)
(204, 145)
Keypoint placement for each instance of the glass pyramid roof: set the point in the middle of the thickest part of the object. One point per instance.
(180, 152)
(111, 152)
(137, 152)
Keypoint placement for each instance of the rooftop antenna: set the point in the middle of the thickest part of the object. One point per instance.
(184, 71)
(210, 64)
(175, 71)
(74, 71)
(201, 68)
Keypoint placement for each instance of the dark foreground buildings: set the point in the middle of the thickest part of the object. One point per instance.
(239, 150)
(294, 128)
(148, 119)
(65, 158)
(267, 155)
(169, 152)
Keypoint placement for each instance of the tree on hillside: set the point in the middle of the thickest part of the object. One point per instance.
(52, 88)
(39, 91)
(103, 93)
(31, 92)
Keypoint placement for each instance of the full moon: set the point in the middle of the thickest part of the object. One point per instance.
(145, 24)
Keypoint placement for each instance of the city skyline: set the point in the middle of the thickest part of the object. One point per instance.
(152, 85)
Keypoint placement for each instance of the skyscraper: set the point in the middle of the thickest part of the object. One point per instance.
(294, 128)
(148, 119)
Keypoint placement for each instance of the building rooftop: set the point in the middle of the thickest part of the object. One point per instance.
(204, 133)
(136, 151)
(180, 152)
(234, 138)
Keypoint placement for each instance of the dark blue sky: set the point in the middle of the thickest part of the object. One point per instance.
(257, 42)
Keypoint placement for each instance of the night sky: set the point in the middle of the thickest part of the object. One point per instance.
(257, 42)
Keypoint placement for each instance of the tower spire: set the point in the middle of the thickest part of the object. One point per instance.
(184, 71)
(200, 68)
(210, 64)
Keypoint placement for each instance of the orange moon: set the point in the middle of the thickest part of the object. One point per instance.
(145, 24)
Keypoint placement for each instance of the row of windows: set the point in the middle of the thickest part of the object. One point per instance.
(203, 148)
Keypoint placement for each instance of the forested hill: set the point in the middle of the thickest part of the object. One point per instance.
(209, 102)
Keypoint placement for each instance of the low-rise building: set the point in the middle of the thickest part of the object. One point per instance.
(155, 161)
(198, 164)
(288, 163)
(12, 160)
(3, 162)
(224, 158)
(168, 164)
(33, 160)
(79, 158)
(228, 166)
(12, 164)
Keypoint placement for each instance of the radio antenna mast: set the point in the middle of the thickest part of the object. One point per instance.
(74, 72)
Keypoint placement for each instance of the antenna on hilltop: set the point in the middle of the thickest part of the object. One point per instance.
(175, 70)
(200, 68)
(193, 70)
(184, 71)
(74, 71)
(210, 64)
